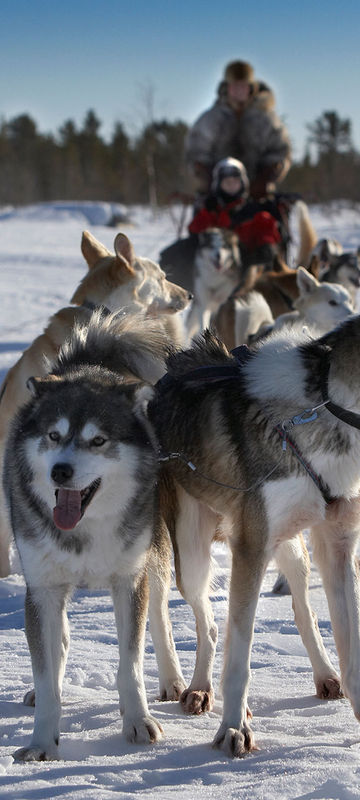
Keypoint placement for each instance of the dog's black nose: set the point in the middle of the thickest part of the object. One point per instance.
(61, 473)
(190, 295)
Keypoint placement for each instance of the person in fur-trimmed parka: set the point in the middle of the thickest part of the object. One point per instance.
(242, 123)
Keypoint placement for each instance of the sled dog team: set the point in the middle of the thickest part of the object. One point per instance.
(122, 437)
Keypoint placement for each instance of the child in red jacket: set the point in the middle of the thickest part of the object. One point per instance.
(229, 192)
(229, 206)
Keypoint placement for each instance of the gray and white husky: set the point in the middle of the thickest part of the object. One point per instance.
(217, 272)
(80, 480)
(330, 263)
(268, 446)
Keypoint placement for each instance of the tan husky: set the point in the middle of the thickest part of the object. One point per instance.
(120, 280)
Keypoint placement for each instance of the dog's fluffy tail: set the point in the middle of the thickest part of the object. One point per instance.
(307, 234)
(252, 315)
(120, 342)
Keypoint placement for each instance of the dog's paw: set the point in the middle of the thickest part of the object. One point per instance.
(235, 742)
(36, 754)
(142, 730)
(29, 698)
(329, 688)
(197, 701)
(172, 690)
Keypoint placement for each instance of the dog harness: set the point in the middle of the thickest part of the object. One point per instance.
(225, 372)
(350, 417)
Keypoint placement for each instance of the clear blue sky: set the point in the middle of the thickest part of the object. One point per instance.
(61, 57)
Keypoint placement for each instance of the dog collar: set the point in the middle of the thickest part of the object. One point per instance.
(96, 307)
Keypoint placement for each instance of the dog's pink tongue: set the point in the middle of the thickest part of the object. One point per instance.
(67, 511)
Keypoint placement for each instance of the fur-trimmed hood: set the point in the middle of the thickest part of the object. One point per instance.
(261, 95)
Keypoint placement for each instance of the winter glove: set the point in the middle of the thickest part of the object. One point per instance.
(261, 230)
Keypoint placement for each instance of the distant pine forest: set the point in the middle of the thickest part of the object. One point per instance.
(76, 163)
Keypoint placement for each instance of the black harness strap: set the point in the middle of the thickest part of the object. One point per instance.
(350, 417)
(211, 374)
(323, 487)
(225, 372)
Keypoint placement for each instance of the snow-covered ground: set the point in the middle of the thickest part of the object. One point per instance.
(308, 749)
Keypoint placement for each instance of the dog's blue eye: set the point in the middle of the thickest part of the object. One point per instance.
(54, 436)
(98, 441)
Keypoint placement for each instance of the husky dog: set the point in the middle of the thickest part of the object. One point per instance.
(279, 289)
(330, 263)
(320, 305)
(217, 272)
(125, 280)
(115, 281)
(80, 481)
(235, 449)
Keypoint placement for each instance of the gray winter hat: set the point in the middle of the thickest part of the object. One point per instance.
(229, 167)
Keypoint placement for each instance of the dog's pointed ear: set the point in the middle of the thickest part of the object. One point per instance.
(92, 250)
(120, 270)
(306, 282)
(143, 395)
(124, 248)
(37, 386)
(314, 266)
(324, 251)
(279, 265)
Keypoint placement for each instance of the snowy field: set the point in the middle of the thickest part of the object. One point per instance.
(308, 749)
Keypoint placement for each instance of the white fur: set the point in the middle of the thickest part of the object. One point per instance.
(194, 532)
(107, 555)
(320, 306)
(214, 281)
(293, 561)
(252, 316)
(278, 372)
(106, 559)
(61, 426)
(89, 431)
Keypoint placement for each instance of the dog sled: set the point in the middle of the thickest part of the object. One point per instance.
(256, 223)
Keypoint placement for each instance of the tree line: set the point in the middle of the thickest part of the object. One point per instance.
(77, 163)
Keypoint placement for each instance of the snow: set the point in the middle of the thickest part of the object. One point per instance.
(308, 749)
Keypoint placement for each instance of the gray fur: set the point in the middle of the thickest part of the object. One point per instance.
(227, 428)
(84, 434)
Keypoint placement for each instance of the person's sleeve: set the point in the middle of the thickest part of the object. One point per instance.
(275, 156)
(204, 219)
(201, 139)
